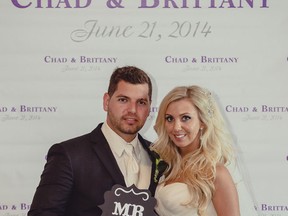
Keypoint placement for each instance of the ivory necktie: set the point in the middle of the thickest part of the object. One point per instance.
(132, 167)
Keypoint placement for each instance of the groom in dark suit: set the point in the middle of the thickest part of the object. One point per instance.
(79, 171)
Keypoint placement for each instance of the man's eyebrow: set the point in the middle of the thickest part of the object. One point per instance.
(143, 99)
(122, 96)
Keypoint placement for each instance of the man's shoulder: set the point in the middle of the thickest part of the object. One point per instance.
(143, 140)
(81, 140)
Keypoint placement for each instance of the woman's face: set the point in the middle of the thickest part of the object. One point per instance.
(183, 125)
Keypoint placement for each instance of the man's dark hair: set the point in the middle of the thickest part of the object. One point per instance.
(131, 75)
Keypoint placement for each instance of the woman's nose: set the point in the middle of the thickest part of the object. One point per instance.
(177, 125)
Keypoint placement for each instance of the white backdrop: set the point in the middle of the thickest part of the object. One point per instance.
(56, 59)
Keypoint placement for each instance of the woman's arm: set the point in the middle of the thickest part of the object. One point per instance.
(225, 199)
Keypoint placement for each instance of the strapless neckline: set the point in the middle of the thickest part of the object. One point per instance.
(171, 200)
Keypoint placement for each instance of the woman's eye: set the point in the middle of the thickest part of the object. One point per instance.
(169, 118)
(186, 118)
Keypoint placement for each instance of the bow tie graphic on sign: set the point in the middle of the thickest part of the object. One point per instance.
(131, 201)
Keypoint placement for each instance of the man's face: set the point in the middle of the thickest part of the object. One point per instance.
(127, 109)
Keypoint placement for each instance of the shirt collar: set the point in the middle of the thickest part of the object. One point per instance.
(117, 143)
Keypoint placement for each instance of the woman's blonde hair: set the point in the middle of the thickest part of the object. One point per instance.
(197, 169)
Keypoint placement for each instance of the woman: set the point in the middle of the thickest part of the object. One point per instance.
(194, 141)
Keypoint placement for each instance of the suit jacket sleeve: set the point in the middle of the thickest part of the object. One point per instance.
(56, 183)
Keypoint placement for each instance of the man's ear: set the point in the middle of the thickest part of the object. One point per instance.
(106, 99)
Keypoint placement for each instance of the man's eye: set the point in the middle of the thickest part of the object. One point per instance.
(122, 99)
(142, 102)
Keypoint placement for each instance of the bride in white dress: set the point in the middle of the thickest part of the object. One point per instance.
(171, 199)
(193, 139)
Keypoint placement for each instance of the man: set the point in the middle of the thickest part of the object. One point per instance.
(79, 171)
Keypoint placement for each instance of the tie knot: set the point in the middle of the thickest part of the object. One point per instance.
(129, 149)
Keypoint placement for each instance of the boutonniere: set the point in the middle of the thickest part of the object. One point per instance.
(160, 166)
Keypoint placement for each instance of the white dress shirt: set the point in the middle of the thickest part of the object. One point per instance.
(117, 145)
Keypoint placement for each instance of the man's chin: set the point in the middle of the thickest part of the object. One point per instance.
(131, 129)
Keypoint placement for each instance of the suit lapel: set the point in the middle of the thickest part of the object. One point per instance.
(103, 151)
(146, 145)
(158, 166)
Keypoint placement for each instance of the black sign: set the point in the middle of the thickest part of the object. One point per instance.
(131, 201)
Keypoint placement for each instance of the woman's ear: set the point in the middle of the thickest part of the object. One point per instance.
(202, 126)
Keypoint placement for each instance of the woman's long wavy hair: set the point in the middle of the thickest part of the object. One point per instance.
(197, 169)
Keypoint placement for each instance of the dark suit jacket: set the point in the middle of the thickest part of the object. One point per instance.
(77, 174)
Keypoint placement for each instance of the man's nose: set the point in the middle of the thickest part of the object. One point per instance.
(132, 107)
